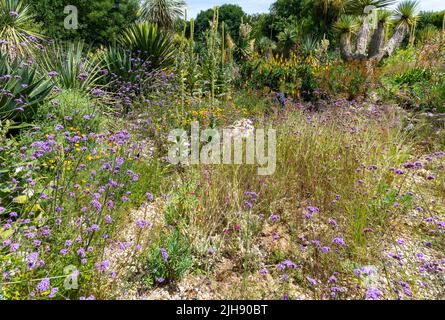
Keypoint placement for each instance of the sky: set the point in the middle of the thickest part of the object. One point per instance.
(260, 6)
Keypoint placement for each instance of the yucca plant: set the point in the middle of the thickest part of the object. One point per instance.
(22, 91)
(405, 16)
(347, 25)
(164, 13)
(147, 41)
(266, 46)
(16, 34)
(287, 39)
(74, 68)
(379, 37)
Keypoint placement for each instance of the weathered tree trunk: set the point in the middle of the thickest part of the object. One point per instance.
(378, 40)
(362, 38)
(345, 46)
(393, 43)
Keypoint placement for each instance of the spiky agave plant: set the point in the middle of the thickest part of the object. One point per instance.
(74, 68)
(16, 34)
(116, 61)
(23, 91)
(150, 43)
(309, 45)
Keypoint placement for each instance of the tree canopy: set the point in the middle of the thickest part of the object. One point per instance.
(231, 14)
(99, 20)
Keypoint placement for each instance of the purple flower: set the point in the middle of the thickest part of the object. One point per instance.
(13, 14)
(164, 254)
(102, 266)
(312, 209)
(311, 281)
(149, 197)
(339, 241)
(108, 219)
(53, 74)
(373, 294)
(53, 292)
(44, 285)
(143, 223)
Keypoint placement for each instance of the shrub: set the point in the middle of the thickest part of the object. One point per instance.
(292, 77)
(70, 66)
(150, 43)
(22, 91)
(169, 260)
(346, 79)
(63, 190)
(17, 34)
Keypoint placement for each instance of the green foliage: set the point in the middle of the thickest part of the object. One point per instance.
(431, 18)
(169, 259)
(407, 12)
(22, 90)
(289, 76)
(412, 76)
(99, 21)
(348, 80)
(71, 62)
(232, 15)
(164, 13)
(150, 43)
(357, 6)
(117, 61)
(16, 27)
(346, 24)
(426, 33)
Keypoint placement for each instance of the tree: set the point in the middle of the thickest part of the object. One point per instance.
(232, 16)
(287, 40)
(405, 16)
(164, 13)
(100, 21)
(287, 8)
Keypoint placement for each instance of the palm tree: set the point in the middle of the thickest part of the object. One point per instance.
(164, 13)
(266, 46)
(15, 31)
(329, 9)
(287, 39)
